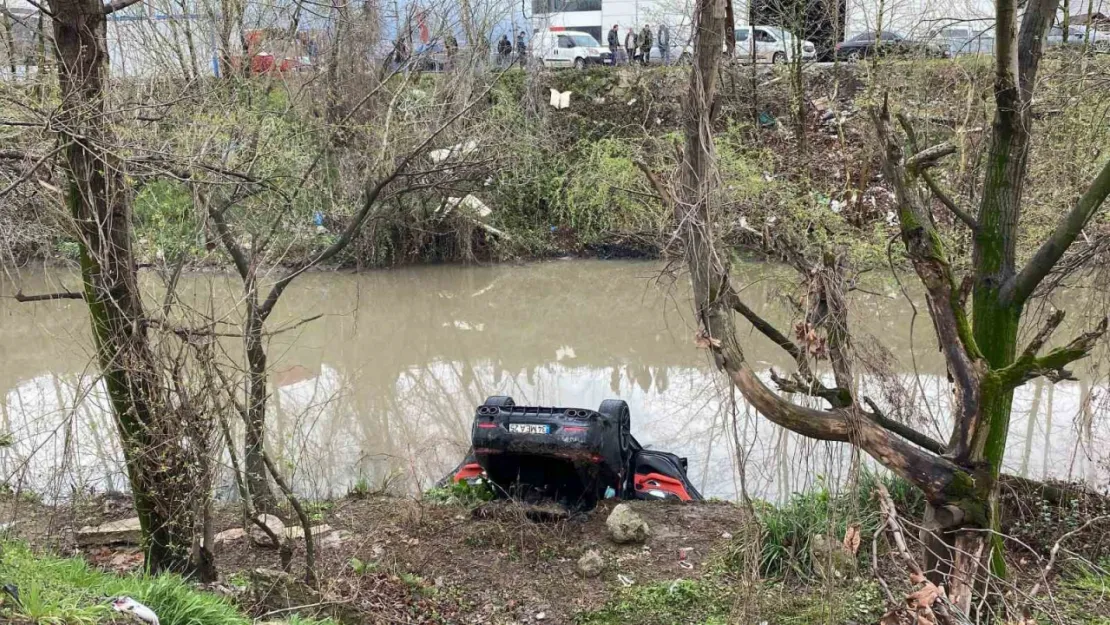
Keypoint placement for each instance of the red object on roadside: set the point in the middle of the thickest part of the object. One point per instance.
(664, 483)
(469, 472)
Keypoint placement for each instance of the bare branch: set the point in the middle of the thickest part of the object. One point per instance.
(31, 170)
(1054, 320)
(1052, 364)
(947, 201)
(1019, 288)
(1048, 569)
(47, 297)
(368, 203)
(903, 430)
(118, 5)
(929, 156)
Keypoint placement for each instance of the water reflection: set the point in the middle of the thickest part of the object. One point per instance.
(383, 387)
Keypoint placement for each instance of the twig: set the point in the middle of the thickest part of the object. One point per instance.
(1056, 550)
(118, 5)
(46, 297)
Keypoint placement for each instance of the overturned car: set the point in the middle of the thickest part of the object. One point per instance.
(574, 456)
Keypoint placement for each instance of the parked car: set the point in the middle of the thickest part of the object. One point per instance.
(772, 45)
(870, 43)
(963, 40)
(1077, 38)
(569, 48)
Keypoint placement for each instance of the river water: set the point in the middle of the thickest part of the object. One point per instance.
(383, 386)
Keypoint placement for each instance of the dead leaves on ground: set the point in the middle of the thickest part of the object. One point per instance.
(919, 604)
(852, 539)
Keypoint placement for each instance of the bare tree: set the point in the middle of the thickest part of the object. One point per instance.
(959, 477)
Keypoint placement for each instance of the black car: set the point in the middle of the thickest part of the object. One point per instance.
(573, 456)
(868, 44)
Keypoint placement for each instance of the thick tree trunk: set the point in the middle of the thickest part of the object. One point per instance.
(99, 205)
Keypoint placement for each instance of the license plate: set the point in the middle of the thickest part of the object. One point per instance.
(528, 428)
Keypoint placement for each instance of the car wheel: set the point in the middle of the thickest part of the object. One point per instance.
(854, 57)
(499, 401)
(617, 410)
(778, 58)
(580, 63)
(685, 58)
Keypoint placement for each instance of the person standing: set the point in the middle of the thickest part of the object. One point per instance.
(664, 41)
(521, 47)
(451, 45)
(504, 51)
(645, 44)
(630, 45)
(614, 43)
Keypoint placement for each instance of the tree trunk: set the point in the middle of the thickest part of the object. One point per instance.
(254, 433)
(98, 201)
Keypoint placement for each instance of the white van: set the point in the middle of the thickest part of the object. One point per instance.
(556, 47)
(772, 45)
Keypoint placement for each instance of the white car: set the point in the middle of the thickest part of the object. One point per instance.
(568, 48)
(772, 45)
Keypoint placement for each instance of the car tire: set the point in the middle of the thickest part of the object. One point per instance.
(580, 63)
(778, 58)
(685, 58)
(854, 57)
(617, 409)
(499, 401)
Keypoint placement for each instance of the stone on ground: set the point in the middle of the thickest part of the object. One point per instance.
(125, 532)
(625, 526)
(590, 564)
(276, 525)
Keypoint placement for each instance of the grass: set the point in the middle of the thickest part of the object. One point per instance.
(717, 600)
(788, 531)
(65, 591)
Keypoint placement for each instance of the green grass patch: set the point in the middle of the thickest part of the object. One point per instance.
(788, 542)
(66, 591)
(718, 600)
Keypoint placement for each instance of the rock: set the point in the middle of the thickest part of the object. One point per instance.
(125, 532)
(826, 552)
(590, 564)
(275, 524)
(225, 536)
(296, 532)
(335, 538)
(625, 526)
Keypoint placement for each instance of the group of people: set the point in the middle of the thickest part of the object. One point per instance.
(637, 45)
(505, 49)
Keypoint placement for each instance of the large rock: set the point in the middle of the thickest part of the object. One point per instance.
(125, 532)
(276, 525)
(590, 564)
(625, 526)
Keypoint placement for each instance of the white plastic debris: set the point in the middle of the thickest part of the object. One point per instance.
(459, 149)
(471, 204)
(625, 580)
(836, 206)
(890, 216)
(560, 99)
(632, 101)
(143, 613)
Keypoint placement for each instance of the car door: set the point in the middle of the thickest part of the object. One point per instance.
(561, 54)
(766, 44)
(743, 44)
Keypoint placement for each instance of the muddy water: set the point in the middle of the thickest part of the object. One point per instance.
(382, 387)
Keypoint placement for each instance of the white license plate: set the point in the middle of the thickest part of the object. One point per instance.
(528, 428)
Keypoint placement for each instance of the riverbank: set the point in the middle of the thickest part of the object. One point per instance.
(563, 182)
(449, 558)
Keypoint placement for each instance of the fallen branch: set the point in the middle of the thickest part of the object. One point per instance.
(1048, 569)
(46, 297)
